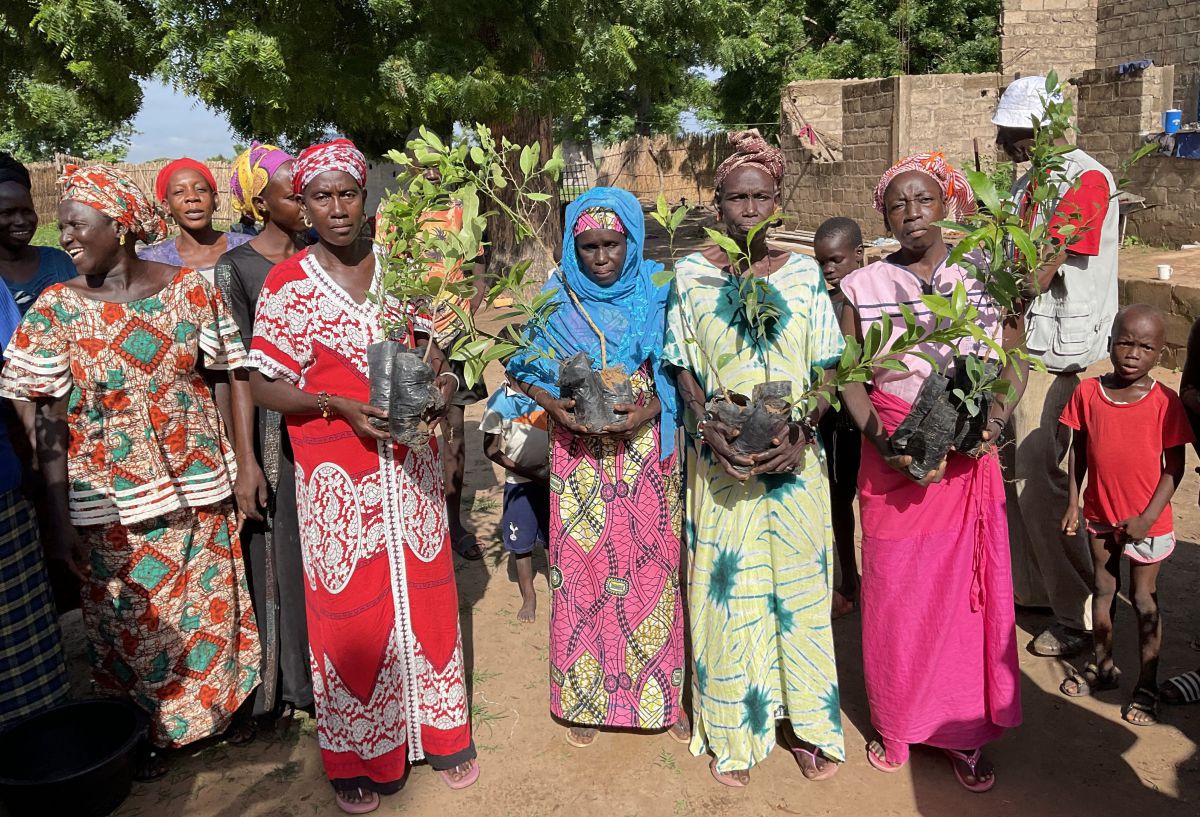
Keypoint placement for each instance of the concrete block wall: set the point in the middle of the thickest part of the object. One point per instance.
(1037, 35)
(949, 113)
(1166, 31)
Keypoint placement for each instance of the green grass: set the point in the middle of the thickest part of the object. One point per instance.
(484, 504)
(481, 715)
(46, 236)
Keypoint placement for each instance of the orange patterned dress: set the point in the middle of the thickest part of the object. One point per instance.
(150, 471)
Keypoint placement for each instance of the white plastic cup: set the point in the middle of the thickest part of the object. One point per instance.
(1164, 272)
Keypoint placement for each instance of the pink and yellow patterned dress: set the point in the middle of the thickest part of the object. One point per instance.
(165, 604)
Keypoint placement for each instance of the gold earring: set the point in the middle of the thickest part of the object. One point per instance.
(307, 223)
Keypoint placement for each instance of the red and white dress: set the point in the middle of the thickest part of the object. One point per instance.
(382, 603)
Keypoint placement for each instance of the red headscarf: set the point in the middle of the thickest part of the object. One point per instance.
(953, 183)
(164, 175)
(340, 154)
(751, 149)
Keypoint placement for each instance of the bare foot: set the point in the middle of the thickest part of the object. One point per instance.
(528, 612)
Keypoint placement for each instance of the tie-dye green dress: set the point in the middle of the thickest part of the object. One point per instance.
(761, 571)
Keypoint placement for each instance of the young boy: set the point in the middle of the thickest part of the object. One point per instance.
(514, 437)
(1129, 435)
(839, 251)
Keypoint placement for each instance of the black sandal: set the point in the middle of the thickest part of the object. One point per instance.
(149, 763)
(1090, 681)
(1145, 702)
(242, 732)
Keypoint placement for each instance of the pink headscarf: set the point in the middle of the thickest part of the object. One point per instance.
(953, 183)
(597, 218)
(751, 149)
(340, 154)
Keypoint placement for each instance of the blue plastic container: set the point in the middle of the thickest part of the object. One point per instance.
(1171, 120)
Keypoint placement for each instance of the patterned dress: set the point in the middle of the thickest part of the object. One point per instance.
(616, 615)
(387, 664)
(761, 572)
(165, 604)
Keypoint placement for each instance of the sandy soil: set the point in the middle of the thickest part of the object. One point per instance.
(1072, 758)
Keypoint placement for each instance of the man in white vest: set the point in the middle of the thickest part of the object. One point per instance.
(1067, 328)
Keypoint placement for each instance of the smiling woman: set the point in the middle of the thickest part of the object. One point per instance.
(26, 269)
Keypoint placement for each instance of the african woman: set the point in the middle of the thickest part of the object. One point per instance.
(187, 190)
(616, 616)
(761, 574)
(143, 488)
(266, 486)
(939, 640)
(387, 661)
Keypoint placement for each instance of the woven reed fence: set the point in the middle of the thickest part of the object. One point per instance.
(46, 192)
(678, 168)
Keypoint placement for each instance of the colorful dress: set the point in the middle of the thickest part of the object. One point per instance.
(387, 663)
(165, 603)
(954, 685)
(761, 573)
(616, 615)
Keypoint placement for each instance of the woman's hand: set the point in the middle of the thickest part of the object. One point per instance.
(635, 417)
(900, 462)
(250, 490)
(64, 544)
(1070, 520)
(359, 416)
(719, 439)
(786, 452)
(560, 411)
(447, 384)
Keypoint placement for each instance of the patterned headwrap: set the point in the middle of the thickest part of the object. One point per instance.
(340, 154)
(164, 175)
(113, 193)
(749, 148)
(598, 218)
(252, 171)
(953, 183)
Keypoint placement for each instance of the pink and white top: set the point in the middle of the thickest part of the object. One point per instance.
(881, 287)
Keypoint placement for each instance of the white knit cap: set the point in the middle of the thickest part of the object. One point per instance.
(1023, 100)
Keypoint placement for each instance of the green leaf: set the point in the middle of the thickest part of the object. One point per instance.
(527, 160)
(663, 277)
(539, 197)
(985, 190)
(1025, 245)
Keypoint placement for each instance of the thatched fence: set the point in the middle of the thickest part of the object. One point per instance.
(46, 192)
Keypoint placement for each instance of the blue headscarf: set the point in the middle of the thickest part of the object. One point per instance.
(631, 313)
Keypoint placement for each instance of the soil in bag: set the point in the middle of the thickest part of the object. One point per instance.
(765, 418)
(595, 393)
(380, 357)
(927, 433)
(968, 436)
(413, 396)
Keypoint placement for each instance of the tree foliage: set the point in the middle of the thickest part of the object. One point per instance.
(69, 73)
(779, 41)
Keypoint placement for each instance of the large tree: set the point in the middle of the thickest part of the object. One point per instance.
(778, 41)
(69, 73)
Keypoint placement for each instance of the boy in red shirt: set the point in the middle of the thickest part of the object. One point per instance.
(1129, 437)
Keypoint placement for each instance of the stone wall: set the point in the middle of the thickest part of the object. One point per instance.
(1166, 31)
(1037, 35)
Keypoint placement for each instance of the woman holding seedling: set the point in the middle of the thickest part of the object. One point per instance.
(939, 641)
(382, 604)
(743, 315)
(616, 616)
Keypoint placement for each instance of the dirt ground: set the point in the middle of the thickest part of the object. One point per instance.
(1071, 758)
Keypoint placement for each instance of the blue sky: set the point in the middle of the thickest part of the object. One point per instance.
(172, 124)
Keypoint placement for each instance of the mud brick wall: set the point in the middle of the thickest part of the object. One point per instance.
(949, 113)
(1166, 31)
(815, 191)
(1037, 35)
(1180, 304)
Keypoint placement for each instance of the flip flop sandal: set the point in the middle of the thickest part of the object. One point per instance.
(572, 737)
(150, 765)
(684, 737)
(463, 783)
(724, 778)
(881, 763)
(979, 786)
(817, 773)
(365, 806)
(1186, 686)
(1090, 681)
(472, 552)
(1144, 701)
(242, 734)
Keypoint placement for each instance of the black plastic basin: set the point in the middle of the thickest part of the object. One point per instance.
(76, 759)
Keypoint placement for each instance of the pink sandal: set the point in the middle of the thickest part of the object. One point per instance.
(815, 756)
(724, 778)
(361, 807)
(979, 786)
(882, 763)
(465, 782)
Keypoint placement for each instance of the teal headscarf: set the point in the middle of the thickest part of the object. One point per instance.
(631, 313)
